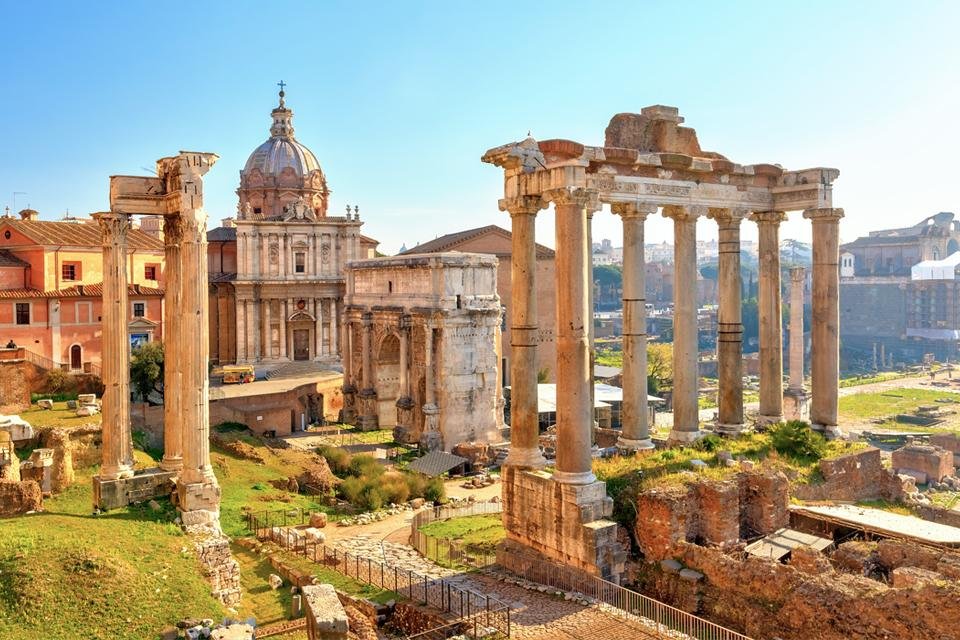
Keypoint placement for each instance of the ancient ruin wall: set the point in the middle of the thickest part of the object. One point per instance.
(853, 477)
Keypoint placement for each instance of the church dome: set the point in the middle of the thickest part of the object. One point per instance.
(282, 150)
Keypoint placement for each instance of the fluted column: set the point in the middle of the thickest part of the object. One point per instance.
(797, 279)
(771, 319)
(574, 378)
(172, 388)
(635, 431)
(117, 447)
(524, 420)
(686, 413)
(825, 329)
(730, 322)
(431, 439)
(334, 338)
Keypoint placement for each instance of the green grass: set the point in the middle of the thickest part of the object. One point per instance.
(946, 499)
(867, 406)
(886, 505)
(856, 381)
(59, 416)
(65, 573)
(477, 533)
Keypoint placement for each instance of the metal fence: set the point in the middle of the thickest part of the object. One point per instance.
(624, 601)
(449, 552)
(478, 612)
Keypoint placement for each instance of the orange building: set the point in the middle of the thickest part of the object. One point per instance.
(51, 277)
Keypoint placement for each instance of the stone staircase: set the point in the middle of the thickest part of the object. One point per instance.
(299, 369)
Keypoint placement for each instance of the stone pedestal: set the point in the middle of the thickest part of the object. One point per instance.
(431, 438)
(796, 405)
(686, 412)
(559, 521)
(119, 492)
(368, 410)
(349, 415)
(404, 429)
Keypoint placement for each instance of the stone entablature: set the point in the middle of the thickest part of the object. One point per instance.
(422, 337)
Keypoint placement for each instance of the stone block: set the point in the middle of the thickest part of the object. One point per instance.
(315, 535)
(690, 575)
(113, 494)
(913, 577)
(670, 565)
(928, 460)
(318, 520)
(326, 617)
(275, 581)
(18, 497)
(45, 403)
(86, 398)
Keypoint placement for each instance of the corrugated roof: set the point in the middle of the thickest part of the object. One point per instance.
(7, 259)
(451, 240)
(436, 462)
(79, 291)
(87, 234)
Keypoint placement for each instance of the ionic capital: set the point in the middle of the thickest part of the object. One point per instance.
(113, 226)
(727, 216)
(634, 210)
(823, 215)
(685, 213)
(522, 205)
(768, 217)
(588, 199)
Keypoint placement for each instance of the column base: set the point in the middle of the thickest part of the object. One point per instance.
(765, 420)
(796, 404)
(172, 464)
(199, 505)
(829, 431)
(120, 472)
(729, 429)
(525, 458)
(113, 493)
(684, 437)
(574, 477)
(627, 444)
(431, 441)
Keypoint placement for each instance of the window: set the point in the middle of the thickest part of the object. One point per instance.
(389, 286)
(23, 312)
(68, 271)
(300, 262)
(257, 210)
(139, 309)
(150, 272)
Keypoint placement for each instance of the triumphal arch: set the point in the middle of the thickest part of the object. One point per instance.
(648, 163)
(176, 194)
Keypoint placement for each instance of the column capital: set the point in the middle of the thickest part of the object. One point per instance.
(823, 215)
(367, 319)
(522, 205)
(113, 226)
(634, 210)
(798, 274)
(172, 231)
(684, 213)
(588, 199)
(726, 216)
(768, 217)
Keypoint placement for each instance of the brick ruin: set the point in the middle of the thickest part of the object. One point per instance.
(853, 477)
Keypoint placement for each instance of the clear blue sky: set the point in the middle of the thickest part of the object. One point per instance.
(399, 100)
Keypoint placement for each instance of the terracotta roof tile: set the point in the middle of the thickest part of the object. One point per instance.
(451, 240)
(7, 259)
(77, 234)
(79, 291)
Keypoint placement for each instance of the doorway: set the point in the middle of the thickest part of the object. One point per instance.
(76, 359)
(301, 344)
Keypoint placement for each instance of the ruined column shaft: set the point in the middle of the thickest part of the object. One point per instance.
(172, 386)
(428, 373)
(686, 414)
(404, 363)
(730, 323)
(524, 420)
(770, 311)
(574, 378)
(825, 325)
(797, 277)
(367, 348)
(635, 432)
(117, 448)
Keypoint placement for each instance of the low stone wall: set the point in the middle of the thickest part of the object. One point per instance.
(219, 568)
(711, 512)
(853, 477)
(17, 380)
(950, 442)
(18, 497)
(933, 513)
(410, 618)
(766, 599)
(925, 463)
(326, 617)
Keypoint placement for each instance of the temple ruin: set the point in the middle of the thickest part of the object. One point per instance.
(176, 194)
(648, 163)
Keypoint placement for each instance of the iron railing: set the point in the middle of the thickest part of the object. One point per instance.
(449, 552)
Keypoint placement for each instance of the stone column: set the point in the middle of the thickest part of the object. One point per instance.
(404, 402)
(283, 328)
(635, 433)
(730, 322)
(349, 376)
(431, 439)
(797, 278)
(771, 318)
(686, 414)
(253, 329)
(172, 388)
(318, 329)
(198, 492)
(574, 378)
(267, 330)
(524, 420)
(825, 329)
(334, 338)
(117, 448)
(368, 393)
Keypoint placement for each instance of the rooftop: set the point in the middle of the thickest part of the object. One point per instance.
(452, 240)
(62, 233)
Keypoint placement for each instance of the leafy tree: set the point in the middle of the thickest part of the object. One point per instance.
(146, 369)
(543, 375)
(659, 366)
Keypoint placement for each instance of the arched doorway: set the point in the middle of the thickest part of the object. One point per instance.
(76, 357)
(388, 381)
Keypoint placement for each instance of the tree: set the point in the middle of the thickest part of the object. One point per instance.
(146, 369)
(659, 366)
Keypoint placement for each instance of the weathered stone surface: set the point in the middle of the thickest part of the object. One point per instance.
(326, 618)
(318, 520)
(113, 494)
(853, 477)
(62, 474)
(926, 463)
(810, 561)
(764, 501)
(220, 569)
(19, 497)
(275, 581)
(910, 577)
(950, 442)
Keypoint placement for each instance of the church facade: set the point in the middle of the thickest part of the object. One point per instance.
(290, 257)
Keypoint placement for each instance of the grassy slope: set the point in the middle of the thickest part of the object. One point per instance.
(867, 406)
(476, 532)
(67, 574)
(59, 416)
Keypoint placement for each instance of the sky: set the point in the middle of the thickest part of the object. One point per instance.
(399, 100)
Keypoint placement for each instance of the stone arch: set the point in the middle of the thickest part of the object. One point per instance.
(387, 379)
(76, 357)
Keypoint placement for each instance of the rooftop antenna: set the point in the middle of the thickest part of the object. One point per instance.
(15, 194)
(149, 170)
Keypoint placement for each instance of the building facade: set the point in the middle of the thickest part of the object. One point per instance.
(51, 286)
